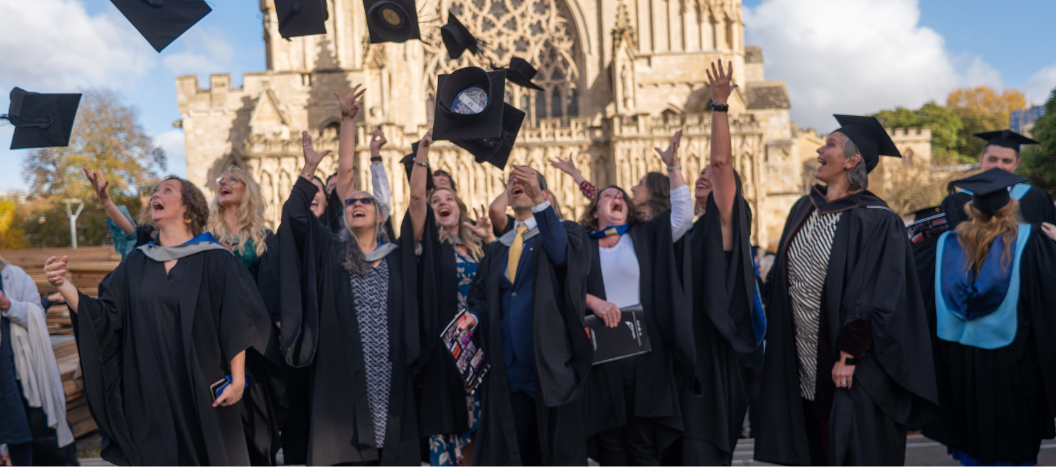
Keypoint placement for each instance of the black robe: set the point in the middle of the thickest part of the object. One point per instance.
(220, 314)
(563, 355)
(871, 278)
(667, 320)
(997, 405)
(1035, 207)
(320, 331)
(721, 287)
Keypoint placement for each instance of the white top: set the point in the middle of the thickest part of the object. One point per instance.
(620, 273)
(382, 192)
(681, 212)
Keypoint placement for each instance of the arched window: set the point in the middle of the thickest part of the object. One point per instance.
(555, 103)
(540, 105)
(573, 103)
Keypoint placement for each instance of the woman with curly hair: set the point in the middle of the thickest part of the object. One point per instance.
(236, 217)
(163, 347)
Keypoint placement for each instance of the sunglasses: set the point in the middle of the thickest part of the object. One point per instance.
(230, 180)
(363, 201)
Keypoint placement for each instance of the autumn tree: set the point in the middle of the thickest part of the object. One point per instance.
(909, 186)
(945, 126)
(1039, 161)
(982, 109)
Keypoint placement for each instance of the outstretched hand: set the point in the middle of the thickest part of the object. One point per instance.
(670, 156)
(350, 104)
(99, 184)
(568, 167)
(377, 140)
(721, 82)
(312, 158)
(483, 227)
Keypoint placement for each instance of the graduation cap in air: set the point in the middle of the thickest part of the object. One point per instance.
(162, 21)
(469, 104)
(457, 39)
(301, 17)
(496, 151)
(870, 136)
(1005, 139)
(925, 213)
(521, 73)
(391, 20)
(408, 165)
(990, 189)
(41, 120)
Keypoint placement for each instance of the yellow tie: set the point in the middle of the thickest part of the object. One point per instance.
(515, 252)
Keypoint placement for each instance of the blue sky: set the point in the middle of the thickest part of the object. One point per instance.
(836, 56)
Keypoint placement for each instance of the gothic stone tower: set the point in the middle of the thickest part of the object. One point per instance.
(619, 78)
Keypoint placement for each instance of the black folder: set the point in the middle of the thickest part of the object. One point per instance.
(627, 339)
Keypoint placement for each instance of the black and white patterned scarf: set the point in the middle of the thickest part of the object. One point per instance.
(808, 264)
(370, 294)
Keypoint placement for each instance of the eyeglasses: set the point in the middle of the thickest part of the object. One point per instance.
(230, 180)
(363, 201)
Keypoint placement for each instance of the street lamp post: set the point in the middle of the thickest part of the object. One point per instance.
(73, 218)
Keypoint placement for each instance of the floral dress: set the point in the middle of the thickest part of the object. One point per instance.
(447, 449)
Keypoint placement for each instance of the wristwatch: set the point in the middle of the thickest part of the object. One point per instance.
(375, 158)
(720, 106)
(850, 361)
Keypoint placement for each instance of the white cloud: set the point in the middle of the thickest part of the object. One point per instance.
(1040, 85)
(55, 45)
(174, 145)
(206, 52)
(856, 56)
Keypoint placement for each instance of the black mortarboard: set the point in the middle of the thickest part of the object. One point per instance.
(162, 21)
(457, 38)
(41, 120)
(870, 136)
(301, 17)
(1005, 139)
(391, 20)
(408, 165)
(521, 73)
(469, 104)
(925, 213)
(990, 189)
(497, 150)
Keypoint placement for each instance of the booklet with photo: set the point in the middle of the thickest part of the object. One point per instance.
(928, 228)
(471, 362)
(627, 339)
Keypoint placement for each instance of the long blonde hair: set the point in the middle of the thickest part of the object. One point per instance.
(470, 240)
(977, 235)
(251, 225)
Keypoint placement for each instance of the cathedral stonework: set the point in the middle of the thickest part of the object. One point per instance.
(620, 77)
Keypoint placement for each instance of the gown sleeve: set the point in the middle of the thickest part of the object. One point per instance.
(1037, 293)
(244, 320)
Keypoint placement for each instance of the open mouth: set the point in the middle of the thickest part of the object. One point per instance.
(517, 191)
(444, 212)
(225, 191)
(822, 161)
(157, 206)
(358, 214)
(315, 203)
(617, 207)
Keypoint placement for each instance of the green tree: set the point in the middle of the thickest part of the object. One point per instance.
(1039, 161)
(945, 129)
(982, 109)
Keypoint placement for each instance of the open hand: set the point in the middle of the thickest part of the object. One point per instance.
(529, 180)
(55, 270)
(312, 158)
(99, 184)
(377, 140)
(568, 167)
(350, 104)
(721, 82)
(231, 394)
(482, 228)
(670, 156)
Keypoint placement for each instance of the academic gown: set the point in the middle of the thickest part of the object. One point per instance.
(320, 331)
(871, 277)
(997, 405)
(148, 389)
(562, 349)
(721, 289)
(667, 320)
(1034, 207)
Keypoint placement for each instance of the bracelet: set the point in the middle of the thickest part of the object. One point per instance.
(307, 175)
(375, 158)
(850, 361)
(674, 167)
(423, 164)
(720, 106)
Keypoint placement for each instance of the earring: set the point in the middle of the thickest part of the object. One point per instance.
(186, 221)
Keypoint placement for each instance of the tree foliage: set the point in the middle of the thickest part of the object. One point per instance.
(945, 126)
(909, 186)
(982, 109)
(1039, 161)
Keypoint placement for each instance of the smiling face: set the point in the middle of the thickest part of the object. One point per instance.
(319, 201)
(834, 164)
(166, 204)
(442, 180)
(640, 193)
(612, 208)
(702, 188)
(519, 199)
(359, 215)
(230, 189)
(1000, 157)
(445, 206)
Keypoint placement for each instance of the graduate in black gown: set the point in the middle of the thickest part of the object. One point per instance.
(1002, 152)
(848, 360)
(529, 298)
(633, 403)
(171, 321)
(993, 330)
(720, 281)
(354, 322)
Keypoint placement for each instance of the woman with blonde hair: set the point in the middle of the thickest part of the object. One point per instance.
(992, 321)
(236, 217)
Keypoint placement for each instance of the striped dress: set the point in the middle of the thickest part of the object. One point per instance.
(808, 264)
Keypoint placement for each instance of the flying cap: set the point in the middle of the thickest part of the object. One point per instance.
(162, 21)
(469, 104)
(925, 213)
(408, 165)
(497, 151)
(41, 120)
(521, 73)
(301, 17)
(457, 39)
(1005, 139)
(870, 136)
(990, 189)
(391, 20)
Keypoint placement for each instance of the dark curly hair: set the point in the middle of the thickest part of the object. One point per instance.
(659, 187)
(197, 207)
(590, 223)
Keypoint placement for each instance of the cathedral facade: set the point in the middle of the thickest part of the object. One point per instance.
(620, 77)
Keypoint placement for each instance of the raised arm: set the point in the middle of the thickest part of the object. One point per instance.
(552, 232)
(379, 180)
(569, 167)
(724, 185)
(497, 210)
(55, 271)
(346, 146)
(102, 191)
(681, 205)
(419, 175)
(297, 210)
